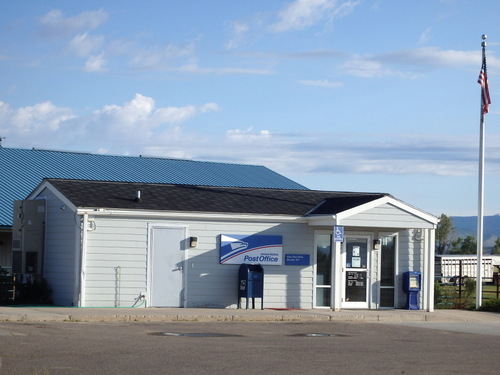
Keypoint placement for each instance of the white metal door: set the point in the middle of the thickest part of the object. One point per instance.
(166, 266)
(356, 272)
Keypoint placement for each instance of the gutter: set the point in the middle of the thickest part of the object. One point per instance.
(190, 215)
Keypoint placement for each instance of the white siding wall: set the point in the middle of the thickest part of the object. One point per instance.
(411, 258)
(116, 260)
(386, 216)
(121, 244)
(117, 255)
(213, 284)
(116, 271)
(62, 251)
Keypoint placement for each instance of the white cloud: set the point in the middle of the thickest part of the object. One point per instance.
(38, 122)
(302, 14)
(131, 112)
(54, 23)
(194, 68)
(425, 36)
(84, 44)
(409, 63)
(433, 56)
(321, 83)
(95, 63)
(248, 135)
(139, 126)
(162, 57)
(140, 117)
(366, 67)
(138, 122)
(180, 58)
(238, 31)
(313, 153)
(209, 107)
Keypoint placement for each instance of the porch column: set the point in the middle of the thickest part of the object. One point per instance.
(429, 285)
(337, 273)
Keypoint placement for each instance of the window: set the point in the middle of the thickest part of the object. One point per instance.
(387, 271)
(323, 270)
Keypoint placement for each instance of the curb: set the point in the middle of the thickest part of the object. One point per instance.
(55, 314)
(40, 317)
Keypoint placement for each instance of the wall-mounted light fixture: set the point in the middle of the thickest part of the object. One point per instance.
(418, 235)
(376, 244)
(193, 241)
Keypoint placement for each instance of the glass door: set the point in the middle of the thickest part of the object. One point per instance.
(356, 270)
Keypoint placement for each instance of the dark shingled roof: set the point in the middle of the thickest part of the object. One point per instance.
(189, 198)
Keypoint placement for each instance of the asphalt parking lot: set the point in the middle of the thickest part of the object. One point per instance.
(242, 348)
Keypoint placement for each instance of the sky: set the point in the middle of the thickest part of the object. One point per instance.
(339, 95)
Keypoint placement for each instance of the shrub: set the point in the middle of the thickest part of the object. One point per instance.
(492, 305)
(448, 296)
(33, 291)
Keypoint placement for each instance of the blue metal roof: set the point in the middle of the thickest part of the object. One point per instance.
(21, 170)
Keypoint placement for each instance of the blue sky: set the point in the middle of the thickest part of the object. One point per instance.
(376, 96)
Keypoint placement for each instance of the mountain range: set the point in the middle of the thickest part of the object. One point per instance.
(467, 225)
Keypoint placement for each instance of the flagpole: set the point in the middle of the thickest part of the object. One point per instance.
(480, 214)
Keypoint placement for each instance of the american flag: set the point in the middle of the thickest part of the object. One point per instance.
(485, 92)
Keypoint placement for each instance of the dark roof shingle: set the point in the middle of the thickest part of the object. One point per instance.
(189, 198)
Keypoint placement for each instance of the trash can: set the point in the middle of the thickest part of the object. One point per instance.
(412, 285)
(251, 284)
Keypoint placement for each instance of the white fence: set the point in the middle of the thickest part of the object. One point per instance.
(448, 268)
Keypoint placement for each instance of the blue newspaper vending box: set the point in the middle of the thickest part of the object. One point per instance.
(412, 284)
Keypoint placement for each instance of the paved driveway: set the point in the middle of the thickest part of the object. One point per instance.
(287, 348)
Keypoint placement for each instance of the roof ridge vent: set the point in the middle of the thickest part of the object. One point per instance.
(138, 196)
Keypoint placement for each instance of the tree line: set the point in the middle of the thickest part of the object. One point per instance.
(446, 243)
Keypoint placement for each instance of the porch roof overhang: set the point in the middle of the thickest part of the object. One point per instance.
(385, 212)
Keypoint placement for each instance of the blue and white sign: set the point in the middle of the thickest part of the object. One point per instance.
(297, 260)
(338, 233)
(251, 249)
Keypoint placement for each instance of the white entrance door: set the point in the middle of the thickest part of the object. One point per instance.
(166, 266)
(356, 272)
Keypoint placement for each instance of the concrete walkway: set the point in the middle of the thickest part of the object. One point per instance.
(68, 314)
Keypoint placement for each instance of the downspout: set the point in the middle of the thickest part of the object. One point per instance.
(83, 264)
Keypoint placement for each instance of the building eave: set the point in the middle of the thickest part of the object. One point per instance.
(176, 215)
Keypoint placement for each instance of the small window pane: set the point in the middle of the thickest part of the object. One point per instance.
(387, 297)
(31, 262)
(323, 297)
(356, 284)
(324, 260)
(357, 253)
(387, 261)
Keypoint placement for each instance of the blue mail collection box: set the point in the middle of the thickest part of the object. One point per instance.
(251, 283)
(412, 284)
